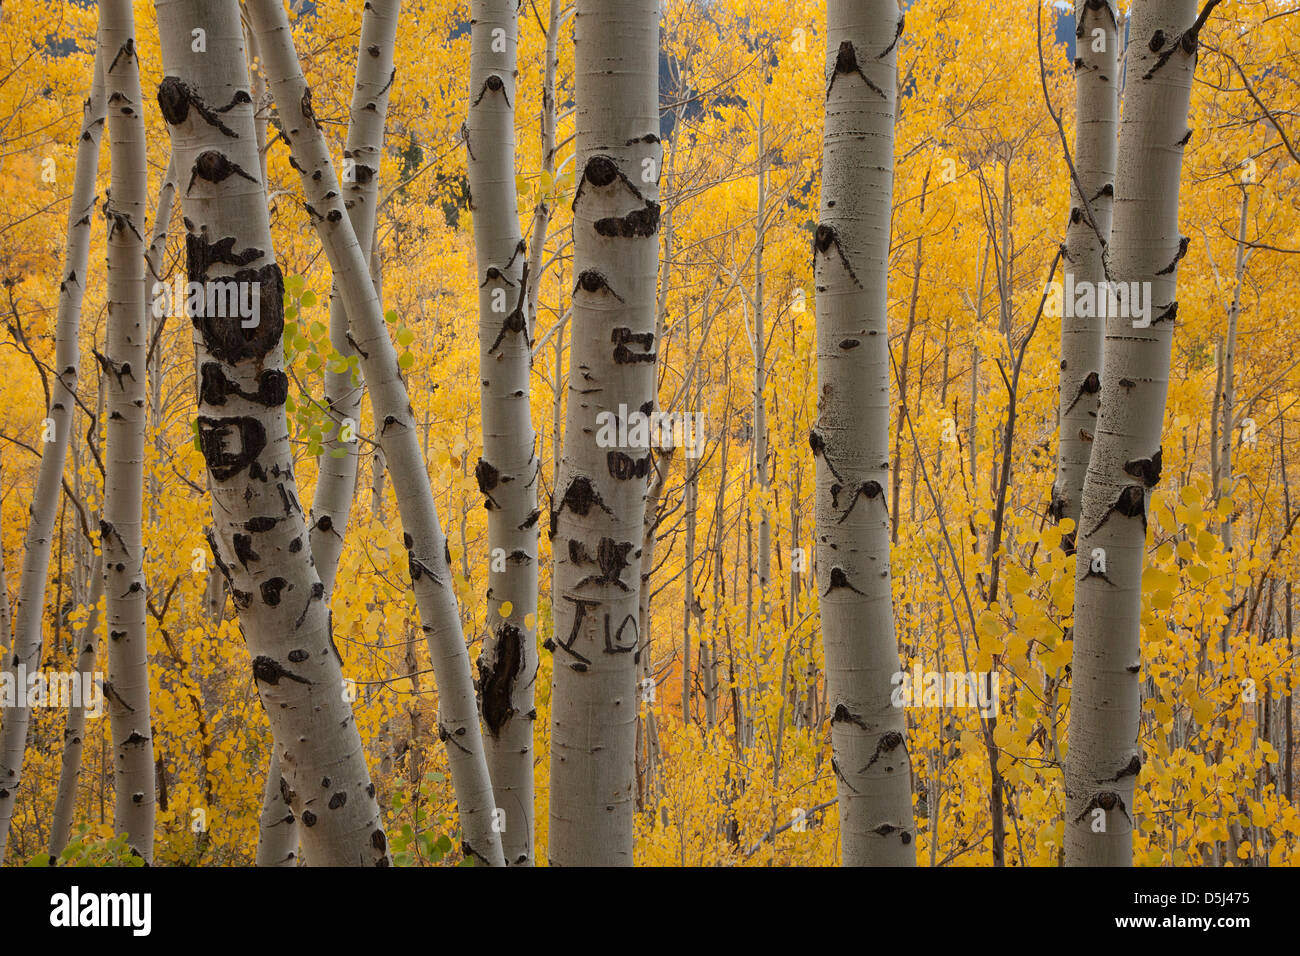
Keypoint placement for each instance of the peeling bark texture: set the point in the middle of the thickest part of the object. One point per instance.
(1096, 80)
(74, 731)
(336, 487)
(850, 442)
(123, 362)
(509, 469)
(1101, 767)
(277, 830)
(439, 613)
(245, 440)
(598, 508)
(29, 609)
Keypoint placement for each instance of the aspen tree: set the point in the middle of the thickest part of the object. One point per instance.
(259, 532)
(1105, 757)
(509, 470)
(1096, 80)
(29, 609)
(426, 544)
(598, 507)
(124, 363)
(336, 484)
(850, 440)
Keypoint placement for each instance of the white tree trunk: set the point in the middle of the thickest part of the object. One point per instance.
(259, 535)
(509, 470)
(426, 543)
(126, 691)
(1104, 758)
(599, 503)
(30, 608)
(850, 440)
(1096, 79)
(74, 731)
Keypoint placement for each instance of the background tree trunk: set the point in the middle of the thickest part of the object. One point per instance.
(509, 470)
(29, 611)
(125, 360)
(851, 438)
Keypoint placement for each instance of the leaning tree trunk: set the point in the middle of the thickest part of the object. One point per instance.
(426, 543)
(508, 471)
(29, 609)
(1096, 79)
(74, 731)
(1104, 758)
(124, 361)
(259, 534)
(597, 514)
(850, 441)
(336, 483)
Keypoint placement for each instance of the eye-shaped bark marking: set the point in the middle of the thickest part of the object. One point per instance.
(889, 742)
(1148, 469)
(602, 171)
(229, 445)
(846, 62)
(1131, 503)
(488, 477)
(497, 677)
(823, 239)
(638, 224)
(215, 387)
(1091, 385)
(1107, 800)
(868, 489)
(818, 445)
(493, 84)
(592, 281)
(580, 497)
(840, 580)
(175, 99)
(623, 355)
(623, 466)
(611, 558)
(1183, 242)
(270, 671)
(516, 321)
(1130, 769)
(215, 167)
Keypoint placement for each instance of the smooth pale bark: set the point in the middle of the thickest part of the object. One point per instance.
(74, 731)
(1105, 757)
(1096, 83)
(259, 533)
(599, 503)
(508, 471)
(126, 691)
(29, 609)
(426, 543)
(850, 441)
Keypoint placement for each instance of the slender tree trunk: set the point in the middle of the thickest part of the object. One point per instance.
(1104, 758)
(851, 439)
(542, 213)
(74, 731)
(427, 545)
(597, 514)
(259, 534)
(124, 362)
(760, 377)
(508, 471)
(277, 825)
(1096, 74)
(29, 611)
